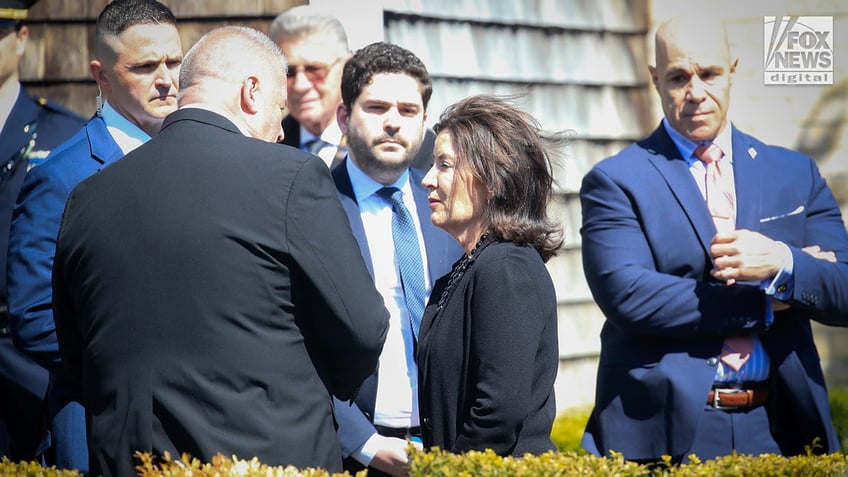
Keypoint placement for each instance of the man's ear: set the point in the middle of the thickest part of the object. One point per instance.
(21, 37)
(98, 72)
(341, 117)
(249, 94)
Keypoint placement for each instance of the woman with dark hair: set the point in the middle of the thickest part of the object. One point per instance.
(487, 352)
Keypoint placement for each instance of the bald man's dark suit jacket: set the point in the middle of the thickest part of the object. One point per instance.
(211, 297)
(646, 235)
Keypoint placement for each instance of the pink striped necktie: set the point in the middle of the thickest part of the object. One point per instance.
(721, 200)
(721, 192)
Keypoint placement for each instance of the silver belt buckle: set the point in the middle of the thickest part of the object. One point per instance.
(718, 391)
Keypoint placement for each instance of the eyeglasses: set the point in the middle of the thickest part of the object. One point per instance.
(315, 72)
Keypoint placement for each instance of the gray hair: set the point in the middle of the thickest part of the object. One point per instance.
(305, 20)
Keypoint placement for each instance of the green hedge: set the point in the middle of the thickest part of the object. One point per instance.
(568, 426)
(569, 460)
(436, 463)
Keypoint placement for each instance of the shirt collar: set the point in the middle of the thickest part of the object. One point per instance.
(364, 186)
(332, 135)
(132, 135)
(687, 147)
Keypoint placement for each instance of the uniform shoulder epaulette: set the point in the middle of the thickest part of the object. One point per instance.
(54, 107)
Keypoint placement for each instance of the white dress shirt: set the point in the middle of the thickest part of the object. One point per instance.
(397, 389)
(126, 134)
(332, 136)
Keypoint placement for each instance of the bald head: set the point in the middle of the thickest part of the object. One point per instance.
(693, 75)
(240, 73)
(225, 55)
(691, 34)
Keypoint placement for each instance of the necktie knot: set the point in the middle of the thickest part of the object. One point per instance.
(709, 153)
(314, 146)
(392, 194)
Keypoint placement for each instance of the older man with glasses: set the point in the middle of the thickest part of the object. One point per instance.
(315, 45)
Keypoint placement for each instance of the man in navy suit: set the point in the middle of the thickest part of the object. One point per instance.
(385, 91)
(29, 129)
(138, 55)
(707, 346)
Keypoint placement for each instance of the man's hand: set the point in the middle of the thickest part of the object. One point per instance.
(816, 252)
(747, 255)
(820, 254)
(392, 458)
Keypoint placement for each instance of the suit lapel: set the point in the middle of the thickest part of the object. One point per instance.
(103, 147)
(351, 208)
(665, 157)
(748, 175)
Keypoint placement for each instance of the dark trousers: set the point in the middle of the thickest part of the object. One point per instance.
(721, 432)
(23, 385)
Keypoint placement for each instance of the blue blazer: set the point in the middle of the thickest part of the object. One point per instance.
(32, 241)
(355, 419)
(646, 234)
(34, 126)
(32, 245)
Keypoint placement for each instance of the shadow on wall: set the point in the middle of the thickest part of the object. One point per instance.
(824, 137)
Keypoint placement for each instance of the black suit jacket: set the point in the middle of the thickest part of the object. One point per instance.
(208, 292)
(487, 362)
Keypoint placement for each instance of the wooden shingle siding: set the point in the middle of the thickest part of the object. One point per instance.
(61, 39)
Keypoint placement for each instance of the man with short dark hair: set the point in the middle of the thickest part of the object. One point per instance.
(385, 91)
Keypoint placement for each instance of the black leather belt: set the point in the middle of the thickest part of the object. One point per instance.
(399, 432)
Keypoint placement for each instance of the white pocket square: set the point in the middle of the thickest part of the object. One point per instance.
(797, 211)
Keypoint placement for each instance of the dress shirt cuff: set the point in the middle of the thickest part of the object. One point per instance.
(782, 284)
(367, 451)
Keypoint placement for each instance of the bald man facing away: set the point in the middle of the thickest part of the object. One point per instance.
(208, 290)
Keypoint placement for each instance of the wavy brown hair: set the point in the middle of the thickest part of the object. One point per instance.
(506, 149)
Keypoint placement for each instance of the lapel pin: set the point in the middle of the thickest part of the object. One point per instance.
(752, 152)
